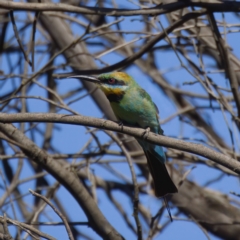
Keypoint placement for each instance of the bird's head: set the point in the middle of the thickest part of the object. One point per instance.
(112, 84)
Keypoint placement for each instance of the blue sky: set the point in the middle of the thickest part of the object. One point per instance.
(70, 139)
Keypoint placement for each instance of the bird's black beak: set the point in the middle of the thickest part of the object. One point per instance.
(87, 78)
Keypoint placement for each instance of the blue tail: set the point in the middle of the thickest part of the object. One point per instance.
(156, 159)
(158, 152)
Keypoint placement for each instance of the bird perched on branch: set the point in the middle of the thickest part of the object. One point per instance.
(133, 106)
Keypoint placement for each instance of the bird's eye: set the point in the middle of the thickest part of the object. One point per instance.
(111, 80)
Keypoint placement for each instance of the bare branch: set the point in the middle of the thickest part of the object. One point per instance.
(201, 150)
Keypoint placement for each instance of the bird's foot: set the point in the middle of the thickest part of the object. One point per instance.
(120, 124)
(146, 133)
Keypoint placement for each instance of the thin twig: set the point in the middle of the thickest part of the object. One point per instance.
(18, 38)
(33, 38)
(134, 180)
(70, 235)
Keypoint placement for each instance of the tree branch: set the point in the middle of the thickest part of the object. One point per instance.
(229, 6)
(96, 219)
(198, 149)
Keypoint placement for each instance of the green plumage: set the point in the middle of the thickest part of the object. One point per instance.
(136, 108)
(133, 106)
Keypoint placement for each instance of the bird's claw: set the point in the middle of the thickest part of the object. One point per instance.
(120, 124)
(146, 133)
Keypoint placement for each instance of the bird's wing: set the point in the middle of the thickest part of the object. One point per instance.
(156, 108)
(152, 111)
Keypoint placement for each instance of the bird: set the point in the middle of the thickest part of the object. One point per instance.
(134, 107)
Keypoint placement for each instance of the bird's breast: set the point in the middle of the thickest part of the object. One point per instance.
(136, 111)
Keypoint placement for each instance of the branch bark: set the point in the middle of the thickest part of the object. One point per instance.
(229, 6)
(198, 149)
(96, 219)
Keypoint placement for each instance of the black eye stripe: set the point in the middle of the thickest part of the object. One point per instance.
(121, 83)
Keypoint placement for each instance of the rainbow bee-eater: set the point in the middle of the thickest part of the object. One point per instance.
(133, 106)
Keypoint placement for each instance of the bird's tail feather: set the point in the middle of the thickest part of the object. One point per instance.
(163, 183)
